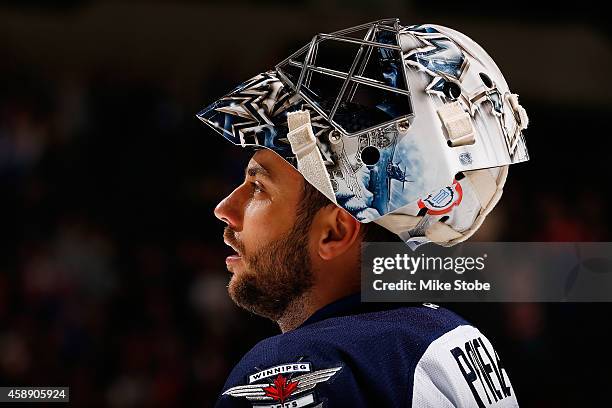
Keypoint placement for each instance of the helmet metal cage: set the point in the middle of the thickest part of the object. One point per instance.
(355, 78)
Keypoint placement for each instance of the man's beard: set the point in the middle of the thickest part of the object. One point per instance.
(275, 275)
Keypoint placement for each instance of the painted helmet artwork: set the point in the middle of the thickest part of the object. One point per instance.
(412, 127)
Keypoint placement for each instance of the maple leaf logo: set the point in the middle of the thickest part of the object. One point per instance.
(281, 388)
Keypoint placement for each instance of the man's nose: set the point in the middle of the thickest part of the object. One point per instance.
(229, 210)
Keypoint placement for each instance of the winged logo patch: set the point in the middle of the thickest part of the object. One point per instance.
(278, 386)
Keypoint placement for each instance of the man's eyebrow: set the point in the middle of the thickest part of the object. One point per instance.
(257, 169)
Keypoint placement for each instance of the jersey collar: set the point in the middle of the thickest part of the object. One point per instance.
(346, 306)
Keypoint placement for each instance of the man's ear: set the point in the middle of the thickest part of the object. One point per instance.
(338, 231)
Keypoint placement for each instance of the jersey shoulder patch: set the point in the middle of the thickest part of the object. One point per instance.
(282, 372)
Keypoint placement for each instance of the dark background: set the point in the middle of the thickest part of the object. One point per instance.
(112, 275)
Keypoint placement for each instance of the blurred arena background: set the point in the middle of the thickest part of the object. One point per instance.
(112, 274)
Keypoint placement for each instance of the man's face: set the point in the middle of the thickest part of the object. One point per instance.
(271, 266)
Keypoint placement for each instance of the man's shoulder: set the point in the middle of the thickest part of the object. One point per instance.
(420, 323)
(423, 355)
(382, 346)
(406, 328)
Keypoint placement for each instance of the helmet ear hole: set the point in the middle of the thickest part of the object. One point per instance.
(370, 156)
(451, 90)
(486, 80)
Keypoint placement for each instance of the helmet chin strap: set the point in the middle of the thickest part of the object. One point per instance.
(309, 160)
(486, 187)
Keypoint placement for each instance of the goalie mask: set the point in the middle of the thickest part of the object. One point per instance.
(411, 127)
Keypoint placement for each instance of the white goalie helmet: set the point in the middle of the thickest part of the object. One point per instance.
(411, 127)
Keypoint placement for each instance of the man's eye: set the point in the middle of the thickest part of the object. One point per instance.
(257, 188)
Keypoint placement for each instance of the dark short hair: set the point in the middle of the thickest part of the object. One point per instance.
(313, 200)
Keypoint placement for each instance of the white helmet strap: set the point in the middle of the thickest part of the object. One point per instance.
(458, 124)
(309, 160)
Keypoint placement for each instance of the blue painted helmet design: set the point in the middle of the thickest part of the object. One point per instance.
(414, 126)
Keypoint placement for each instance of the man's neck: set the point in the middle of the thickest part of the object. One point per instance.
(301, 308)
(297, 312)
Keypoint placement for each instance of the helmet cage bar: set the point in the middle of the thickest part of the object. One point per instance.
(354, 76)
